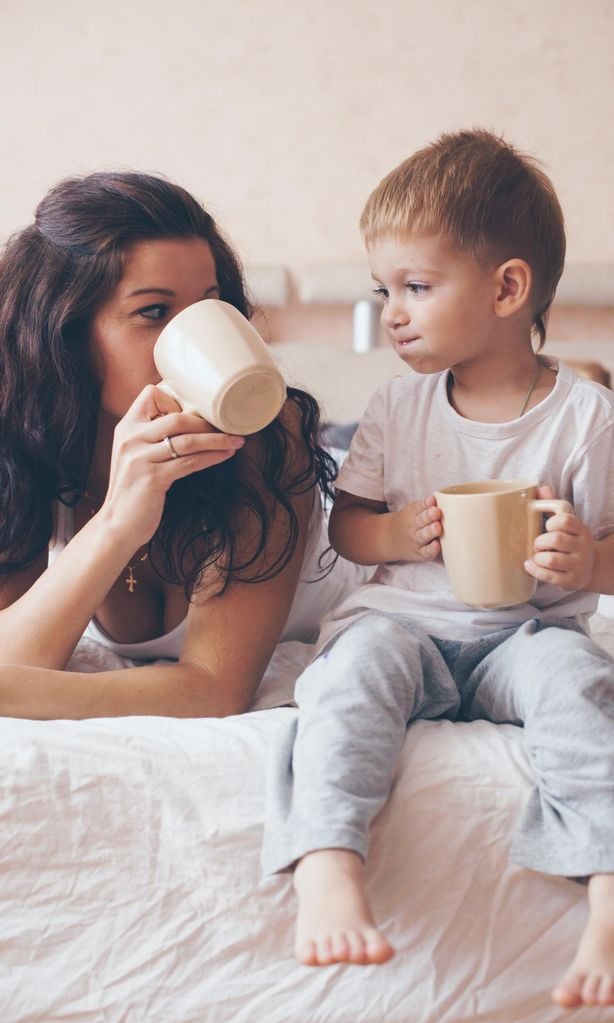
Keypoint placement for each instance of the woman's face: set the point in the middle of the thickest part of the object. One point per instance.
(160, 279)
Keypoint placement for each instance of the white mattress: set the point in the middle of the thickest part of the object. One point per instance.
(131, 889)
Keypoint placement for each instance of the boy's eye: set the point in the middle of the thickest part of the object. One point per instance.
(154, 312)
(381, 292)
(417, 289)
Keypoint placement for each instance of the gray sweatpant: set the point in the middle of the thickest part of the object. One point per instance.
(332, 770)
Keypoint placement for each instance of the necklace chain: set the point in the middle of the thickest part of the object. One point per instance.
(540, 366)
(131, 580)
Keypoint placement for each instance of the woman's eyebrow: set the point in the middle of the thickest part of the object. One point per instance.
(151, 291)
(166, 291)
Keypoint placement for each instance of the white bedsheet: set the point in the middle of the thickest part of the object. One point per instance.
(131, 891)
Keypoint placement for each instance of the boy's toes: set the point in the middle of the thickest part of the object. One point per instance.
(325, 955)
(340, 948)
(306, 953)
(590, 989)
(605, 995)
(568, 994)
(598, 989)
(357, 948)
(584, 989)
(378, 949)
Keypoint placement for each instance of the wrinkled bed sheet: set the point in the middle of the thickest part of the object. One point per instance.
(131, 891)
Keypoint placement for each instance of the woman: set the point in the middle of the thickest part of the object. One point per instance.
(120, 515)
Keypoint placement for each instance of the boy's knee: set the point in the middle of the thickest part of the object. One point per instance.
(567, 666)
(378, 635)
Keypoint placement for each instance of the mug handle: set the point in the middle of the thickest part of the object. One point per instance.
(184, 406)
(547, 507)
(553, 507)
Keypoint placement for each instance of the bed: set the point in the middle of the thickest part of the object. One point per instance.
(131, 888)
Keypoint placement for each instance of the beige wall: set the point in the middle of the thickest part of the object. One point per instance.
(283, 115)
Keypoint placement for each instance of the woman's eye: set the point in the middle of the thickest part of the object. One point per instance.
(417, 289)
(380, 292)
(153, 312)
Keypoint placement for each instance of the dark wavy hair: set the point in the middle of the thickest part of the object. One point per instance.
(54, 276)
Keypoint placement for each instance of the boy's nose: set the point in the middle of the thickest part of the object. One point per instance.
(395, 314)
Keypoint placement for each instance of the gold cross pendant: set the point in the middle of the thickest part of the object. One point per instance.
(132, 580)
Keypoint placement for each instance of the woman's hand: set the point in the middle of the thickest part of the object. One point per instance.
(144, 465)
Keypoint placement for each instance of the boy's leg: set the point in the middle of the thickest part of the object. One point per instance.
(560, 685)
(332, 773)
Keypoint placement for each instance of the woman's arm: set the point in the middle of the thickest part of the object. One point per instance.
(45, 610)
(229, 641)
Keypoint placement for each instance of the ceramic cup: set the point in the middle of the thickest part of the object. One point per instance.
(213, 362)
(488, 532)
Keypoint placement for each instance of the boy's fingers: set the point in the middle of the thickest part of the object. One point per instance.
(431, 550)
(428, 533)
(566, 522)
(565, 542)
(553, 561)
(545, 575)
(430, 514)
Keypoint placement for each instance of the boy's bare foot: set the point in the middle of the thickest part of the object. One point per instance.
(590, 980)
(334, 922)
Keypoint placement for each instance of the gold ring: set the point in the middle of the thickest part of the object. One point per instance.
(169, 444)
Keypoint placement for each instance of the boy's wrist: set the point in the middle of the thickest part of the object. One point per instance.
(398, 542)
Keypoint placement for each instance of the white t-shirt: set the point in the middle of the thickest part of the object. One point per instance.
(411, 442)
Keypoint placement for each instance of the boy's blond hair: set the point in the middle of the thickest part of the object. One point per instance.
(486, 198)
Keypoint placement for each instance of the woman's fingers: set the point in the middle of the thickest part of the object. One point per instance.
(154, 416)
(151, 403)
(172, 424)
(154, 445)
(185, 446)
(176, 468)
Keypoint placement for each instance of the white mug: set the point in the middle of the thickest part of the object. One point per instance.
(213, 362)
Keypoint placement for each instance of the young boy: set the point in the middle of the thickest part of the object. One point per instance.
(466, 244)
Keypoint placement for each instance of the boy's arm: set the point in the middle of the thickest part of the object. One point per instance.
(366, 532)
(602, 576)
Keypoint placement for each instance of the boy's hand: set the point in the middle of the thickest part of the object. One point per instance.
(565, 554)
(415, 531)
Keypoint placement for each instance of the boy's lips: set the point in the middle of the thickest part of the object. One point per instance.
(404, 342)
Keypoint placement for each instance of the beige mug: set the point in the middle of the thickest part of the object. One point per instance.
(489, 529)
(214, 362)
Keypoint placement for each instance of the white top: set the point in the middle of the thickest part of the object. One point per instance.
(314, 597)
(411, 442)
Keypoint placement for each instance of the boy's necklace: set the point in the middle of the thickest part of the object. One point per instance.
(131, 580)
(540, 366)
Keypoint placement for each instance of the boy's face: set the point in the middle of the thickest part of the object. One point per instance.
(438, 302)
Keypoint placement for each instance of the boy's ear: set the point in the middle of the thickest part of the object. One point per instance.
(513, 280)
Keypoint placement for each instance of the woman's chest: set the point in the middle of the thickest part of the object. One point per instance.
(140, 606)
